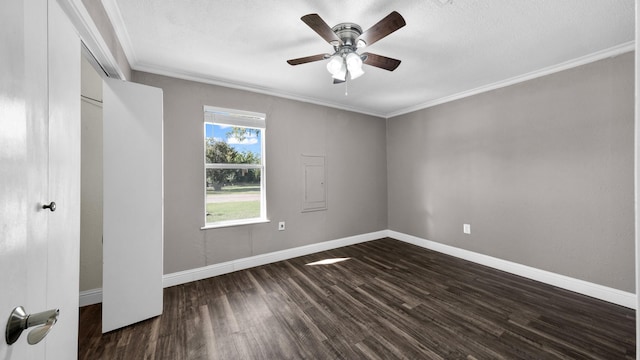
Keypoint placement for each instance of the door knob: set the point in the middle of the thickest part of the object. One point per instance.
(51, 206)
(19, 321)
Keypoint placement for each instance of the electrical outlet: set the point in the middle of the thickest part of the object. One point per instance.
(466, 228)
(281, 225)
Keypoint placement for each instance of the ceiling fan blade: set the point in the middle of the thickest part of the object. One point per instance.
(318, 25)
(308, 59)
(380, 61)
(338, 81)
(384, 27)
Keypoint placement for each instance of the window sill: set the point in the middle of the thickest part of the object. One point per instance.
(224, 224)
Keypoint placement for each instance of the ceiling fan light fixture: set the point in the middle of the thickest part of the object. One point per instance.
(354, 64)
(347, 39)
(341, 74)
(356, 73)
(335, 64)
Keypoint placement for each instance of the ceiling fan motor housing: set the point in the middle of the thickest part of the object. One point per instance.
(348, 33)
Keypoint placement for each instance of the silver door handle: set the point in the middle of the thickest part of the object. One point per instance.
(19, 321)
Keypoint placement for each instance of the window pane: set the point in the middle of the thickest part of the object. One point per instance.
(232, 145)
(232, 194)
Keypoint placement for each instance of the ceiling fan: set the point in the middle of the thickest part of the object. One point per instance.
(347, 39)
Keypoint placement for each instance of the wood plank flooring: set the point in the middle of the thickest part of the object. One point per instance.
(389, 300)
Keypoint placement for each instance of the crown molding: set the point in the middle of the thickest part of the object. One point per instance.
(600, 55)
(249, 87)
(91, 37)
(583, 60)
(117, 21)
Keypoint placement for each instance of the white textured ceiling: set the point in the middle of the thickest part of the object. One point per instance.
(446, 49)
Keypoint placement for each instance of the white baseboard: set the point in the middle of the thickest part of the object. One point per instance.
(182, 277)
(601, 292)
(186, 276)
(90, 297)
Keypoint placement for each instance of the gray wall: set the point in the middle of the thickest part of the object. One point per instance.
(542, 170)
(355, 150)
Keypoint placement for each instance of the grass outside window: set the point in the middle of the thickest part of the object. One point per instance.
(228, 204)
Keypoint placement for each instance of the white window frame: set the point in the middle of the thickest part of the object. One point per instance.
(236, 118)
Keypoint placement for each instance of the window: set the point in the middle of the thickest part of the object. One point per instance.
(234, 167)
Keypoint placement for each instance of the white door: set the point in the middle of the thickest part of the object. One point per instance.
(132, 203)
(23, 143)
(39, 163)
(63, 265)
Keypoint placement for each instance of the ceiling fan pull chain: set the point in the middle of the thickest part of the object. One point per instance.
(346, 87)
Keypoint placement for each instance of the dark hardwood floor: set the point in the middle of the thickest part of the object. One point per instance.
(389, 300)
